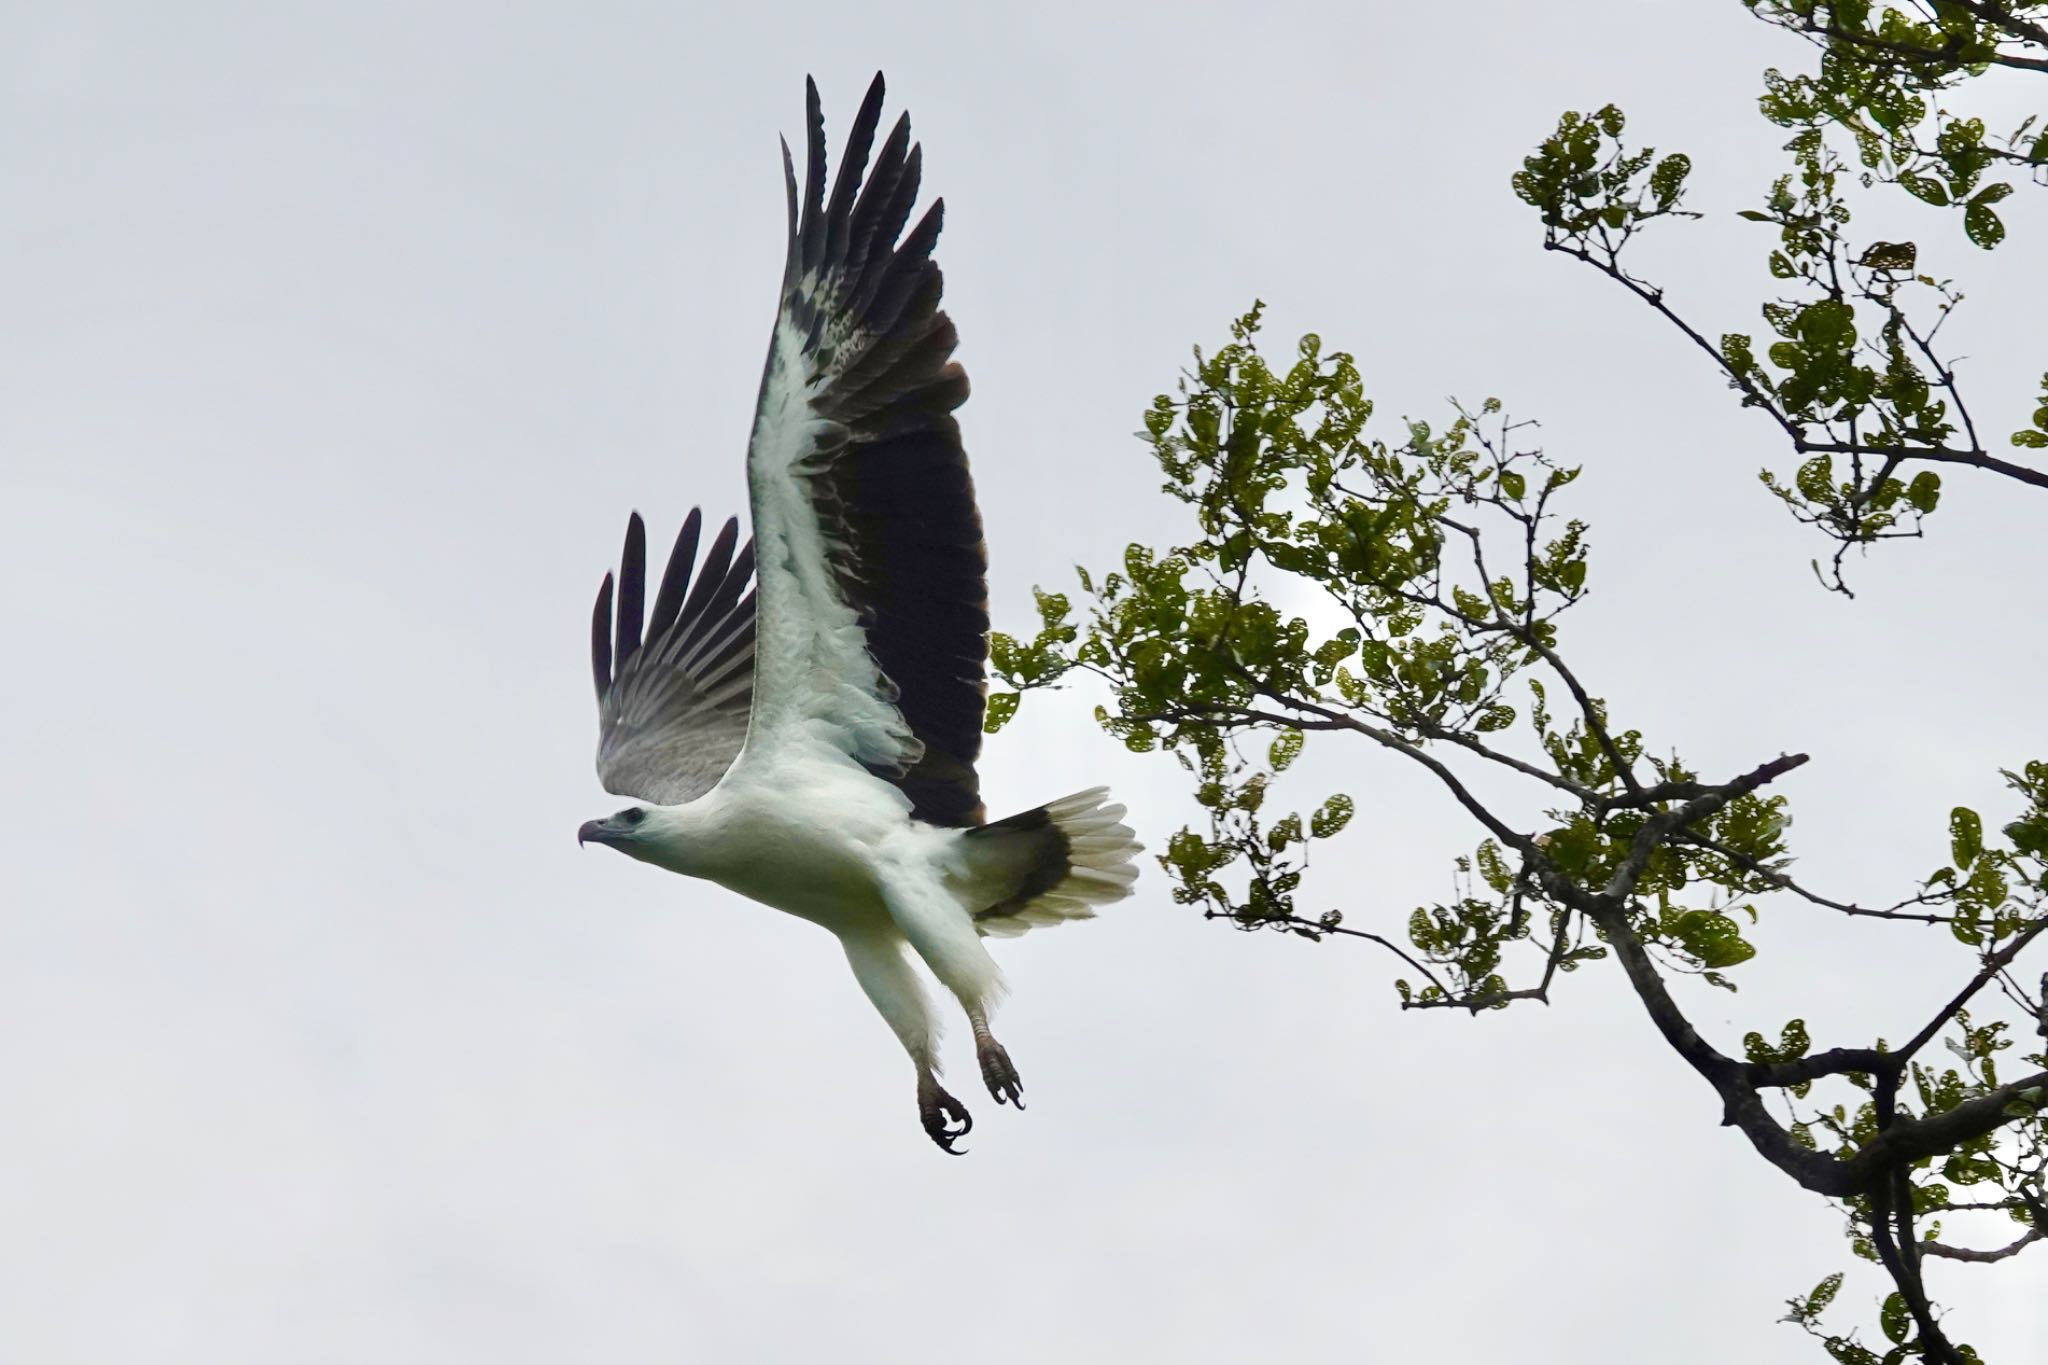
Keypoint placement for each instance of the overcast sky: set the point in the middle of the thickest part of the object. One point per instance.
(335, 345)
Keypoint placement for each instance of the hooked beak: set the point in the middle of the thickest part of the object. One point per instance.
(592, 832)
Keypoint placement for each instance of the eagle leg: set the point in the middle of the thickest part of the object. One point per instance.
(1000, 1074)
(945, 1119)
(997, 1071)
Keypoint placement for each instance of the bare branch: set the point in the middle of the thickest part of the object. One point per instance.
(1993, 965)
(1315, 928)
(2014, 1248)
(1330, 719)
(1785, 883)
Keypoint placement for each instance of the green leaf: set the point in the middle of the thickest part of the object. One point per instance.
(1894, 1318)
(1823, 1294)
(1667, 180)
(1965, 836)
(1331, 817)
(1284, 750)
(1925, 188)
(1001, 707)
(1900, 257)
(1712, 937)
(1983, 226)
(1925, 491)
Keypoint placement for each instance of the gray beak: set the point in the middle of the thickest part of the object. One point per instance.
(592, 832)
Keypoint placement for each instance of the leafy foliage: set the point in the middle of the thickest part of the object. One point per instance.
(1849, 368)
(1410, 593)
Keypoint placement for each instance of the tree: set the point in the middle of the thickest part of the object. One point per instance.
(1447, 557)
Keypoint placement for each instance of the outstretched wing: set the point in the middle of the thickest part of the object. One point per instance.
(672, 711)
(873, 576)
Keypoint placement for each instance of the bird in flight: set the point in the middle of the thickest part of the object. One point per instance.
(810, 743)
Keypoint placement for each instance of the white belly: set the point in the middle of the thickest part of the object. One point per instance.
(810, 841)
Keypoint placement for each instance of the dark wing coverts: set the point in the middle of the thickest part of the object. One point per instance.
(672, 711)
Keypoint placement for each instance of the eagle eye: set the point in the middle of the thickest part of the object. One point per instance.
(633, 816)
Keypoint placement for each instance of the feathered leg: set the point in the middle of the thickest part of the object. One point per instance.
(898, 996)
(943, 933)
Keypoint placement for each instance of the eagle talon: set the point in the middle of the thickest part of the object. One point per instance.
(1000, 1075)
(940, 1112)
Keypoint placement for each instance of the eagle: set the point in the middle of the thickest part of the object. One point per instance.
(800, 715)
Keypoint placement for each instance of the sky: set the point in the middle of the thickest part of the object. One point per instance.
(336, 343)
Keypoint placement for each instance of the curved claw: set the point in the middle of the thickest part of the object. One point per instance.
(1000, 1075)
(945, 1119)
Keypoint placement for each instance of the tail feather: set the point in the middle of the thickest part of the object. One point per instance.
(1056, 862)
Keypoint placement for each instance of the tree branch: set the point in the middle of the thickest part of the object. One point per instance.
(1993, 965)
(1998, 16)
(1975, 459)
(1521, 843)
(1911, 1139)
(1836, 1061)
(1946, 1252)
(1785, 883)
(1892, 53)
(1751, 395)
(1741, 1106)
(1315, 928)
(1906, 1275)
(1660, 825)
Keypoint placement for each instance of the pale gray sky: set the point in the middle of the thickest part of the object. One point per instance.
(335, 344)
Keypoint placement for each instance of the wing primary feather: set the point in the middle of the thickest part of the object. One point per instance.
(632, 589)
(731, 635)
(895, 212)
(712, 573)
(911, 269)
(601, 639)
(718, 610)
(738, 646)
(814, 177)
(876, 196)
(675, 580)
(736, 579)
(853, 163)
(789, 260)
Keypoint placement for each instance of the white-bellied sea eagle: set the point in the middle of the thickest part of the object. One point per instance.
(811, 744)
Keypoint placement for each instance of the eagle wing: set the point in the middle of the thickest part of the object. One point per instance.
(672, 709)
(873, 622)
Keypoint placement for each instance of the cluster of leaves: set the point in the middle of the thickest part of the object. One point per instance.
(1996, 899)
(2035, 435)
(1849, 371)
(1441, 570)
(1408, 594)
(1882, 72)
